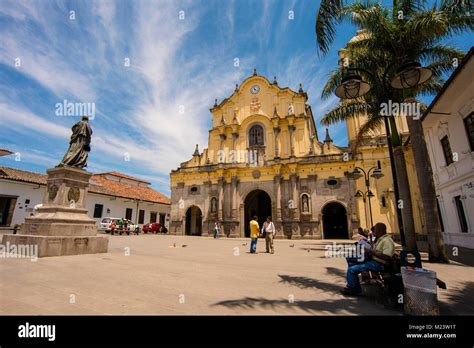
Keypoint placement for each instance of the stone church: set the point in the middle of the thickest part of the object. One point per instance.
(266, 158)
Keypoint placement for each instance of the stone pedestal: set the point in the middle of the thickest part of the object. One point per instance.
(61, 226)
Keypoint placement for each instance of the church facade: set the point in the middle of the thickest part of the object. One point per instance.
(266, 158)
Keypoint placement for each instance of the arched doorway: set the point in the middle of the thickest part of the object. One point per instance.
(335, 221)
(258, 203)
(193, 221)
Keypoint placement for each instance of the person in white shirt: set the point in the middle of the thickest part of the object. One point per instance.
(217, 229)
(269, 230)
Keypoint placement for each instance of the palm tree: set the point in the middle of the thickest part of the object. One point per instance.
(413, 30)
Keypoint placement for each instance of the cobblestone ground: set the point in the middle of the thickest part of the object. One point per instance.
(156, 274)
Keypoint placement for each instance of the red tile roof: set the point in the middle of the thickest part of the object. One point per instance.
(121, 189)
(121, 175)
(22, 175)
(100, 185)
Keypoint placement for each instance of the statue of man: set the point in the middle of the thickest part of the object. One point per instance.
(79, 145)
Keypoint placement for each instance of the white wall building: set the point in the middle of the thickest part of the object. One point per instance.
(110, 194)
(448, 126)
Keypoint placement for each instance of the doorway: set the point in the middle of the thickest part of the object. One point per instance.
(7, 206)
(335, 221)
(257, 203)
(193, 221)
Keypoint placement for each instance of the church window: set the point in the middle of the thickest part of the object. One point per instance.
(256, 135)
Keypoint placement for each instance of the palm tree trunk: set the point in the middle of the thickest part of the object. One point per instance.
(424, 173)
(404, 189)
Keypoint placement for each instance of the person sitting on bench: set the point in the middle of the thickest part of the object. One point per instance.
(380, 255)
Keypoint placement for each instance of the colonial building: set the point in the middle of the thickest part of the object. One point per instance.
(266, 158)
(448, 126)
(111, 194)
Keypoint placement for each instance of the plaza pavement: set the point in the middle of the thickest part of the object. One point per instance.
(201, 276)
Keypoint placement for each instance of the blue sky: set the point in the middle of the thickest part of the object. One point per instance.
(150, 114)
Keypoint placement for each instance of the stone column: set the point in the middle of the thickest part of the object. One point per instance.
(207, 204)
(277, 185)
(234, 197)
(314, 214)
(277, 218)
(223, 138)
(276, 132)
(234, 141)
(291, 128)
(220, 215)
(295, 228)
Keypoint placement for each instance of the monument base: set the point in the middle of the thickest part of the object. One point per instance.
(60, 245)
(61, 225)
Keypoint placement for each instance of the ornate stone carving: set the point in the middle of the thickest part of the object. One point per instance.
(74, 194)
(255, 105)
(52, 192)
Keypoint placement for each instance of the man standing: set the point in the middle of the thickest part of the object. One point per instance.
(216, 229)
(381, 253)
(269, 230)
(254, 232)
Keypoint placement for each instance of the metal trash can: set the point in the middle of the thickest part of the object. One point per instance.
(420, 292)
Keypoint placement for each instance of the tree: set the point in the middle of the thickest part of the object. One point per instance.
(409, 30)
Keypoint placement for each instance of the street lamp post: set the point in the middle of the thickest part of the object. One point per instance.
(409, 75)
(364, 195)
(374, 172)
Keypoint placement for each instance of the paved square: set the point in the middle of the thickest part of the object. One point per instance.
(201, 276)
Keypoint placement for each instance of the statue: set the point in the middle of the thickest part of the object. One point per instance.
(305, 204)
(213, 205)
(79, 145)
(291, 110)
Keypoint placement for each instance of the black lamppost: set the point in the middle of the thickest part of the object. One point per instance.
(410, 74)
(367, 195)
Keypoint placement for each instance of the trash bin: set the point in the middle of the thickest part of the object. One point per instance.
(420, 296)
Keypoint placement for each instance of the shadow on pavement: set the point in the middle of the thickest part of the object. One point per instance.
(338, 306)
(459, 301)
(336, 271)
(305, 283)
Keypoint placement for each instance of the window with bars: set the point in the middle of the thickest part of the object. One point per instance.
(469, 124)
(256, 135)
(448, 154)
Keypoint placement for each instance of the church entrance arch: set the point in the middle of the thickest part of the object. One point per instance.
(258, 203)
(335, 221)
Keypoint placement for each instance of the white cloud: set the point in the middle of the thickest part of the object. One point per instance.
(24, 121)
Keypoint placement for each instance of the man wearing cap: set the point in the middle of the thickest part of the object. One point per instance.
(380, 255)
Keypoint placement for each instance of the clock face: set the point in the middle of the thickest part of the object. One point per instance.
(254, 89)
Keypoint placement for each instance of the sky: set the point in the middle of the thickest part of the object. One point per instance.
(152, 70)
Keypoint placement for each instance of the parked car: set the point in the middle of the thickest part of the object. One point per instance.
(120, 224)
(105, 223)
(154, 227)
